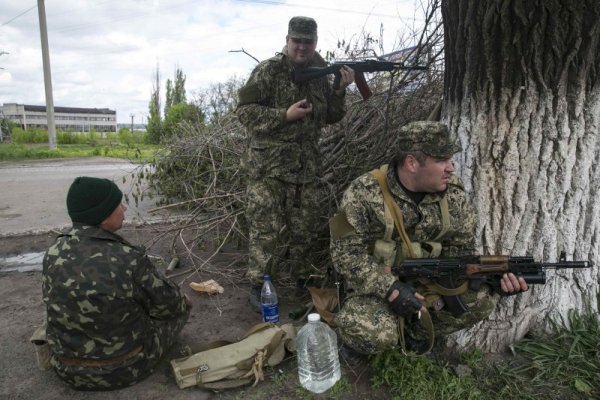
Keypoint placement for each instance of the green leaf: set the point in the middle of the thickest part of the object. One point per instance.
(582, 386)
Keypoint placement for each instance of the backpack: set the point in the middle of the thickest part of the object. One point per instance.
(226, 365)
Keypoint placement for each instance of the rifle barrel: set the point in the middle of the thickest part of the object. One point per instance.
(567, 264)
(301, 75)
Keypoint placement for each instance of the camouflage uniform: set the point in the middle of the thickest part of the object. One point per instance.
(104, 300)
(366, 322)
(283, 164)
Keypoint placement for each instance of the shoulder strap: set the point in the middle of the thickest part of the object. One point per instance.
(389, 222)
(427, 324)
(445, 218)
(380, 175)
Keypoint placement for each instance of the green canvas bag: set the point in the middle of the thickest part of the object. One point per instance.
(226, 365)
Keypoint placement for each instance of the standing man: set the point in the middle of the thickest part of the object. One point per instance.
(110, 314)
(283, 162)
(438, 222)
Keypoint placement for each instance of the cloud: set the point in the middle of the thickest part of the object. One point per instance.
(103, 53)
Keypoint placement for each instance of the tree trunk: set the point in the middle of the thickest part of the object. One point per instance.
(522, 94)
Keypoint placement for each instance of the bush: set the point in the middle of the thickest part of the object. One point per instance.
(127, 137)
(70, 138)
(22, 136)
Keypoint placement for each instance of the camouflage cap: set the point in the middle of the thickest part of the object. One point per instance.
(302, 28)
(432, 138)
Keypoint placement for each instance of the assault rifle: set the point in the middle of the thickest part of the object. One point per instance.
(478, 270)
(301, 75)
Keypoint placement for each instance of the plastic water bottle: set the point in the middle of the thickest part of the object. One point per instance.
(268, 301)
(318, 361)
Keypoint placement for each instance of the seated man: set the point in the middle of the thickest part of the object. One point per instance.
(110, 314)
(437, 222)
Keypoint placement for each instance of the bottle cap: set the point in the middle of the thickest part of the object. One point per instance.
(314, 317)
(267, 277)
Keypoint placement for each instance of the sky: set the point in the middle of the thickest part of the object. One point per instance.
(104, 53)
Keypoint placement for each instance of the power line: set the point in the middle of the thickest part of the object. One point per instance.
(137, 15)
(277, 3)
(23, 13)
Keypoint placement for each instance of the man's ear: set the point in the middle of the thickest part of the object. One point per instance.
(411, 163)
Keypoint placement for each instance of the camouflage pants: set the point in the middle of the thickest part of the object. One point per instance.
(367, 325)
(160, 337)
(283, 221)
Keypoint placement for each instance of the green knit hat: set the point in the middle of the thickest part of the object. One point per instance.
(91, 200)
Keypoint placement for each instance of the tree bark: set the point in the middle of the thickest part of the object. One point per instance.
(522, 95)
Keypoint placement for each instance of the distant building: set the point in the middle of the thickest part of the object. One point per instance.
(406, 56)
(66, 118)
(136, 127)
(410, 56)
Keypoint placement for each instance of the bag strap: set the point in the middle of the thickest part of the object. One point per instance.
(445, 218)
(425, 320)
(262, 358)
(389, 223)
(426, 323)
(380, 175)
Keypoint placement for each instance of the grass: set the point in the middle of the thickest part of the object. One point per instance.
(134, 152)
(420, 378)
(562, 365)
(32, 144)
(567, 362)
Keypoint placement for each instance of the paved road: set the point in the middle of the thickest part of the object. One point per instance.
(33, 193)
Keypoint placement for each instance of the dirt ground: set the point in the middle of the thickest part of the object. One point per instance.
(226, 316)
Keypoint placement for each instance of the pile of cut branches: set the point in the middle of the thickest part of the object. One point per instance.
(199, 174)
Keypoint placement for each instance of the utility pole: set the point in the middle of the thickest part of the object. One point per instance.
(47, 76)
(131, 115)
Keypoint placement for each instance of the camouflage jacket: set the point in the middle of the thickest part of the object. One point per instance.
(278, 148)
(363, 205)
(101, 293)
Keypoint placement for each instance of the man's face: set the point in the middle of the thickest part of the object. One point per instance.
(114, 221)
(433, 175)
(301, 51)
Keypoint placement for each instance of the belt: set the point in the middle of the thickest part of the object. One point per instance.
(86, 362)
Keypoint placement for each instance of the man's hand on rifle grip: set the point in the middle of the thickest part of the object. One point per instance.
(346, 78)
(404, 300)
